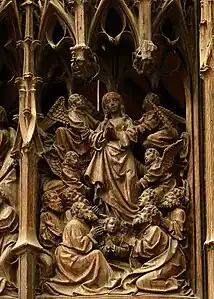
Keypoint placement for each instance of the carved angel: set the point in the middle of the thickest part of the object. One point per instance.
(159, 173)
(158, 125)
(78, 123)
(114, 242)
(58, 111)
(67, 168)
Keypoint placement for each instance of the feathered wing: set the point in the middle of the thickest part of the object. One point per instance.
(57, 113)
(54, 158)
(169, 154)
(172, 116)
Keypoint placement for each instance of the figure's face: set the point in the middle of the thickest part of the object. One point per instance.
(144, 199)
(72, 160)
(150, 156)
(80, 102)
(88, 214)
(112, 105)
(111, 226)
(56, 203)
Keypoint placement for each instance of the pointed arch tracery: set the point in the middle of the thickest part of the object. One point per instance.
(54, 7)
(124, 13)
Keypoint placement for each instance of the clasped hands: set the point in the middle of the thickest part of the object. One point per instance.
(109, 132)
(111, 247)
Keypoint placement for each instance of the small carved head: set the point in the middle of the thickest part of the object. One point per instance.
(150, 214)
(71, 159)
(150, 101)
(3, 116)
(111, 225)
(77, 101)
(112, 102)
(83, 211)
(175, 198)
(151, 154)
(149, 196)
(70, 196)
(52, 201)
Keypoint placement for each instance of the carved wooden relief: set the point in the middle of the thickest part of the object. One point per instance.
(98, 179)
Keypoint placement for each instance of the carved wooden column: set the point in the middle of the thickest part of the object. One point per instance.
(27, 245)
(207, 72)
(144, 55)
(144, 20)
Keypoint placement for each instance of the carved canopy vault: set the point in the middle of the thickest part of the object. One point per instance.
(99, 135)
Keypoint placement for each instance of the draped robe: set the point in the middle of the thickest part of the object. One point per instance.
(76, 137)
(80, 268)
(8, 238)
(163, 263)
(113, 167)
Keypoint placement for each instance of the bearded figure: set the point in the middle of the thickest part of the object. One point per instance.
(80, 269)
(161, 261)
(50, 225)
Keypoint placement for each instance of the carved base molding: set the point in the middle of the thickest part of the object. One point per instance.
(143, 296)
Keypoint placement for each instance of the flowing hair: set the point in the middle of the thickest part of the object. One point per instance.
(73, 98)
(113, 94)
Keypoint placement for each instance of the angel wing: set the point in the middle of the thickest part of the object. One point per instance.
(169, 154)
(57, 113)
(172, 116)
(54, 158)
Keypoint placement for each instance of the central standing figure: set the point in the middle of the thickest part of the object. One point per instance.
(112, 169)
